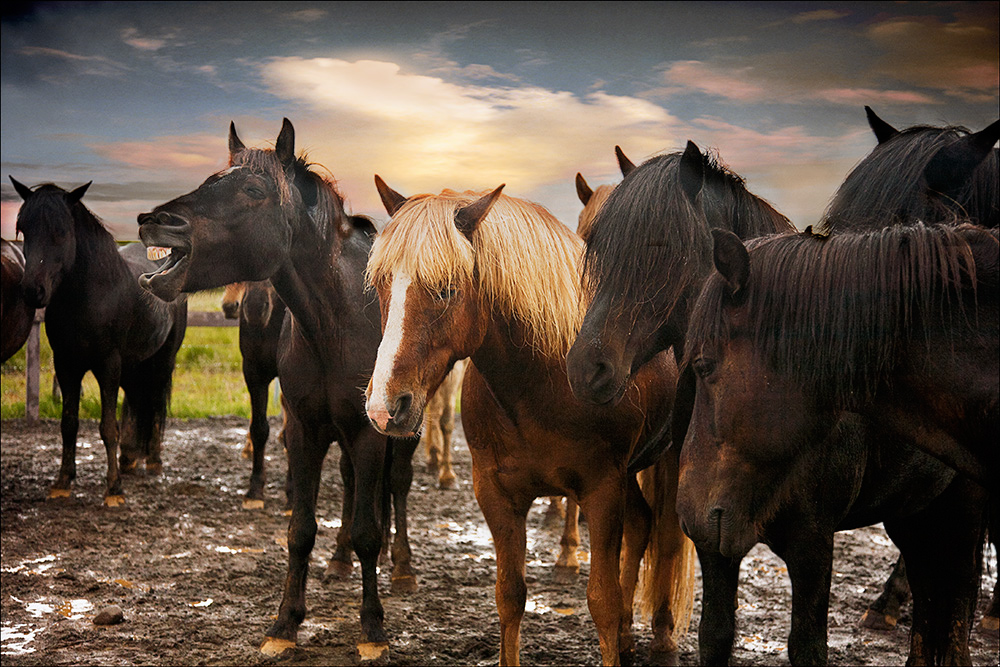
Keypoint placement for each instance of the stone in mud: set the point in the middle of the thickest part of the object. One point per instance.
(111, 615)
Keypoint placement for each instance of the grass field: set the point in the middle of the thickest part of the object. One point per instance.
(207, 381)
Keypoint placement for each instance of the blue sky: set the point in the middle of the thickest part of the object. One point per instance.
(138, 97)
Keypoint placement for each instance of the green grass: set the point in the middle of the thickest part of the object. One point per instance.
(207, 380)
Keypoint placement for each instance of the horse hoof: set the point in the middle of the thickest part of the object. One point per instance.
(990, 625)
(253, 504)
(369, 651)
(566, 573)
(273, 646)
(287, 512)
(446, 484)
(874, 620)
(114, 501)
(59, 493)
(127, 465)
(338, 569)
(154, 468)
(666, 658)
(404, 584)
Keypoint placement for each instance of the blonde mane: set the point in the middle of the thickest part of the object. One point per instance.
(526, 262)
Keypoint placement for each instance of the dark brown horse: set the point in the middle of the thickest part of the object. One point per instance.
(261, 313)
(271, 216)
(897, 325)
(450, 270)
(98, 319)
(16, 315)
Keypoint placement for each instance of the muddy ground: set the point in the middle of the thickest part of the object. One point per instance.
(199, 579)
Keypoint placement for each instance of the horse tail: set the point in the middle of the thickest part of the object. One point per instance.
(666, 584)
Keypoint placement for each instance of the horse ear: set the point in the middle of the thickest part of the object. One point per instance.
(692, 171)
(391, 199)
(731, 259)
(284, 147)
(623, 162)
(467, 218)
(235, 145)
(21, 189)
(952, 166)
(76, 195)
(883, 131)
(583, 190)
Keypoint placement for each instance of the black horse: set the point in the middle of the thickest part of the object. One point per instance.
(271, 216)
(98, 319)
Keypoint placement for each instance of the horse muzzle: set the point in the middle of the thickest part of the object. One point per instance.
(162, 230)
(399, 416)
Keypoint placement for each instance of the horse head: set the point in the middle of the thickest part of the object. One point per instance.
(46, 220)
(432, 316)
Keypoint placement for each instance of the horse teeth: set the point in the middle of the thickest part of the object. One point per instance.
(157, 252)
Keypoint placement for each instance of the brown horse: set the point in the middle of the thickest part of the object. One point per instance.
(439, 423)
(814, 361)
(451, 274)
(271, 215)
(16, 315)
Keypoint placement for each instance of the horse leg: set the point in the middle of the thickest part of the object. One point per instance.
(605, 510)
(883, 613)
(403, 578)
(109, 378)
(306, 451)
(943, 550)
(636, 527)
(368, 453)
(259, 431)
(569, 561)
(69, 425)
(128, 438)
(809, 557)
(989, 624)
(717, 628)
(432, 435)
(446, 476)
(342, 561)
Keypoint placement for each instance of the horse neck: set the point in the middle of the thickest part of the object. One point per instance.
(97, 261)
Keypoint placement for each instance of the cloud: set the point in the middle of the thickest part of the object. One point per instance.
(819, 15)
(192, 154)
(132, 37)
(80, 64)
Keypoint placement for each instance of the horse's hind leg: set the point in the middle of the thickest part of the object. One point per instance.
(404, 580)
(446, 476)
(605, 507)
(568, 561)
(259, 431)
(990, 622)
(108, 378)
(69, 425)
(128, 438)
(883, 613)
(432, 436)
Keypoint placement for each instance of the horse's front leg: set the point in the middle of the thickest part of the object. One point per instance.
(306, 451)
(809, 558)
(605, 511)
(404, 580)
(69, 380)
(342, 560)
(508, 526)
(109, 380)
(446, 476)
(717, 629)
(368, 450)
(636, 527)
(568, 561)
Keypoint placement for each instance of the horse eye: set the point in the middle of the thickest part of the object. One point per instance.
(255, 192)
(704, 367)
(446, 293)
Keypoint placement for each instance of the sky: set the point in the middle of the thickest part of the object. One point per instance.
(138, 97)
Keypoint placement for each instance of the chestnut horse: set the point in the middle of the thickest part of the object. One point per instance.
(270, 215)
(452, 272)
(439, 423)
(16, 315)
(98, 319)
(814, 361)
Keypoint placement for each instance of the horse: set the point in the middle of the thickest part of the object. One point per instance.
(878, 340)
(98, 319)
(261, 313)
(16, 316)
(449, 270)
(271, 215)
(592, 201)
(439, 423)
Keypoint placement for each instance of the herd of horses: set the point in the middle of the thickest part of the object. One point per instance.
(688, 370)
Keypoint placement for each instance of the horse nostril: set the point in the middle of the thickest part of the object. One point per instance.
(401, 406)
(600, 374)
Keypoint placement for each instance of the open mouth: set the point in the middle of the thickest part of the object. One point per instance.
(169, 243)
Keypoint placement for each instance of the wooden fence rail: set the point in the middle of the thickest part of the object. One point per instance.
(33, 357)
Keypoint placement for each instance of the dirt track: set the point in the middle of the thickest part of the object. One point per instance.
(199, 579)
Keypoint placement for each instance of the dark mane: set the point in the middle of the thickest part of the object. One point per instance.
(319, 194)
(649, 224)
(888, 187)
(832, 312)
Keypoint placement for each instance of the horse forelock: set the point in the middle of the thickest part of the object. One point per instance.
(523, 261)
(888, 186)
(833, 312)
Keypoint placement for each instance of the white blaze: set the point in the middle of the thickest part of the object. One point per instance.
(388, 350)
